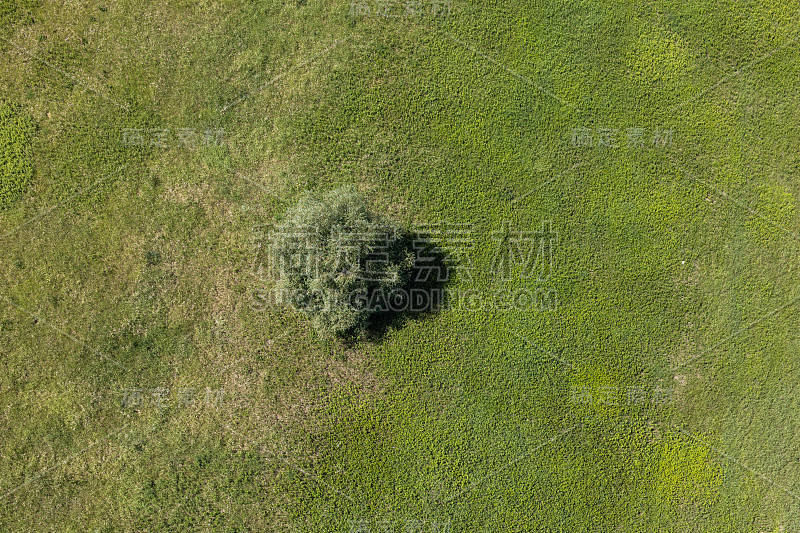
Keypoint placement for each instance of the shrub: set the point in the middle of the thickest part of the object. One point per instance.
(331, 254)
(16, 170)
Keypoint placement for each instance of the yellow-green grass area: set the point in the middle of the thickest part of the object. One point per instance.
(659, 394)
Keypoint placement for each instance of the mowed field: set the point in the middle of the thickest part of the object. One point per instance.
(146, 386)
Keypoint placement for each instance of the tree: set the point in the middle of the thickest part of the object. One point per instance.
(331, 255)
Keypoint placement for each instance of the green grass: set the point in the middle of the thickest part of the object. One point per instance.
(16, 132)
(130, 267)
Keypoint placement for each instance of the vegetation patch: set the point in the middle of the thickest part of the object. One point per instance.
(331, 256)
(16, 159)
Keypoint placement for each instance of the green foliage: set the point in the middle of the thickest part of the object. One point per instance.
(452, 417)
(331, 255)
(16, 132)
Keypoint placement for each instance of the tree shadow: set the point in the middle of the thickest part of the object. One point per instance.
(421, 295)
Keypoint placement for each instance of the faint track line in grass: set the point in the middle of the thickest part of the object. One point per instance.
(736, 73)
(67, 74)
(762, 217)
(509, 70)
(518, 198)
(530, 342)
(312, 476)
(297, 468)
(61, 463)
(511, 463)
(261, 186)
(736, 202)
(737, 332)
(53, 208)
(734, 460)
(64, 333)
(287, 71)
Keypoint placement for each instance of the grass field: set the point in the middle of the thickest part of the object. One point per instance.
(145, 386)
